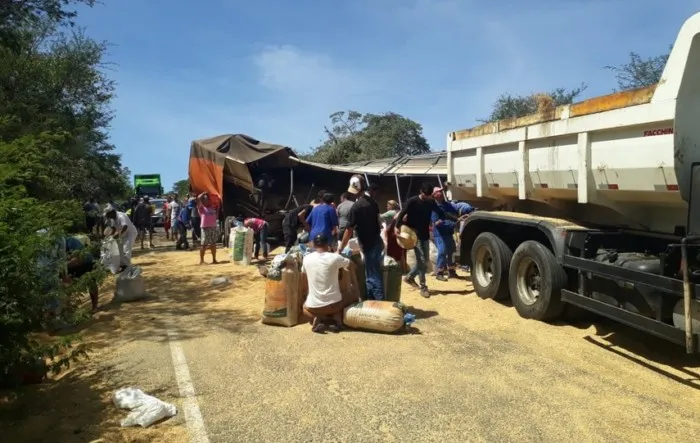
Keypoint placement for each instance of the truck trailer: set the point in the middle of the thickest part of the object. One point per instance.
(594, 205)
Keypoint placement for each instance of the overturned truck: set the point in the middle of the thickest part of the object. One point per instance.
(258, 179)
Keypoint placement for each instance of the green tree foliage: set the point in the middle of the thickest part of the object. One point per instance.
(181, 187)
(513, 106)
(354, 136)
(639, 72)
(17, 15)
(54, 153)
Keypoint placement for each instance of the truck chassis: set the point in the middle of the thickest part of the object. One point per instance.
(544, 264)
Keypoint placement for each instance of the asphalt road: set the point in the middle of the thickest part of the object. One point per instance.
(474, 370)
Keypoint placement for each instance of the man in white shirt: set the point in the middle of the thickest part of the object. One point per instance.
(325, 301)
(174, 208)
(124, 228)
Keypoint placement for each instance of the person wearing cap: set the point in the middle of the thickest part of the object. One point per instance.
(123, 228)
(418, 213)
(355, 187)
(364, 220)
(325, 301)
(443, 234)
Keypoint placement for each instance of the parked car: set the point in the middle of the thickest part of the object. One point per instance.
(158, 218)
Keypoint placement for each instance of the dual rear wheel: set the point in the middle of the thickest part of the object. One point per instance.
(531, 276)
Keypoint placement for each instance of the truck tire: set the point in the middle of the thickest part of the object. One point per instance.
(490, 261)
(536, 280)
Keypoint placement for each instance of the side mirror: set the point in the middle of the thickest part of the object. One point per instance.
(694, 202)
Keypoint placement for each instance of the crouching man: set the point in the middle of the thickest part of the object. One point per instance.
(324, 304)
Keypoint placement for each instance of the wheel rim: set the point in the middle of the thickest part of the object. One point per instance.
(483, 268)
(529, 281)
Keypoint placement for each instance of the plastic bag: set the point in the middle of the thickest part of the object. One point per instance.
(241, 244)
(145, 409)
(110, 255)
(130, 286)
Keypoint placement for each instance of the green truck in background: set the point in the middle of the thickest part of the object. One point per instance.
(148, 184)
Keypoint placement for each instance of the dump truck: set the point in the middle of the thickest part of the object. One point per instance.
(148, 185)
(592, 206)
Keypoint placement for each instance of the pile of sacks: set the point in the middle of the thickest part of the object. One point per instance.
(286, 289)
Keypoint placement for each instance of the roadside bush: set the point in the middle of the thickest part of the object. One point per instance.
(30, 283)
(55, 153)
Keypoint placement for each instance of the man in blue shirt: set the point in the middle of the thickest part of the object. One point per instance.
(182, 223)
(443, 234)
(323, 219)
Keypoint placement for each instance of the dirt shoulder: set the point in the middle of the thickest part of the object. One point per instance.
(126, 349)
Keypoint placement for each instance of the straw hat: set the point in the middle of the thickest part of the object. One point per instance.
(407, 237)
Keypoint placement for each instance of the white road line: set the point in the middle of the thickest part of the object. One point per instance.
(193, 416)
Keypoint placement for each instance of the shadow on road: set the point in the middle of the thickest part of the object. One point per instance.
(638, 347)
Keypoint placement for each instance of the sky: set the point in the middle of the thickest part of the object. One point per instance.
(276, 70)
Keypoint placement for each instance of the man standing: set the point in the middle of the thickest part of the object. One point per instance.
(323, 219)
(174, 208)
(343, 211)
(443, 233)
(364, 219)
(124, 228)
(143, 213)
(195, 220)
(208, 214)
(418, 213)
(291, 222)
(181, 225)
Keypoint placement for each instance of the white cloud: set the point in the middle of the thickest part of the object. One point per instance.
(316, 78)
(288, 69)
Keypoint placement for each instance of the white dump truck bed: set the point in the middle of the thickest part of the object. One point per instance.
(621, 159)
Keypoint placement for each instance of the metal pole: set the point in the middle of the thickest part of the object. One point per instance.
(366, 180)
(439, 180)
(291, 187)
(398, 191)
(408, 191)
(687, 305)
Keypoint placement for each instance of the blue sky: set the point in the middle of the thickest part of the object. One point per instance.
(276, 69)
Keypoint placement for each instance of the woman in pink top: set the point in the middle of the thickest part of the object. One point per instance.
(208, 213)
(260, 228)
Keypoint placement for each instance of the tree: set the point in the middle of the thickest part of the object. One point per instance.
(17, 15)
(639, 72)
(54, 152)
(181, 187)
(354, 136)
(513, 106)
